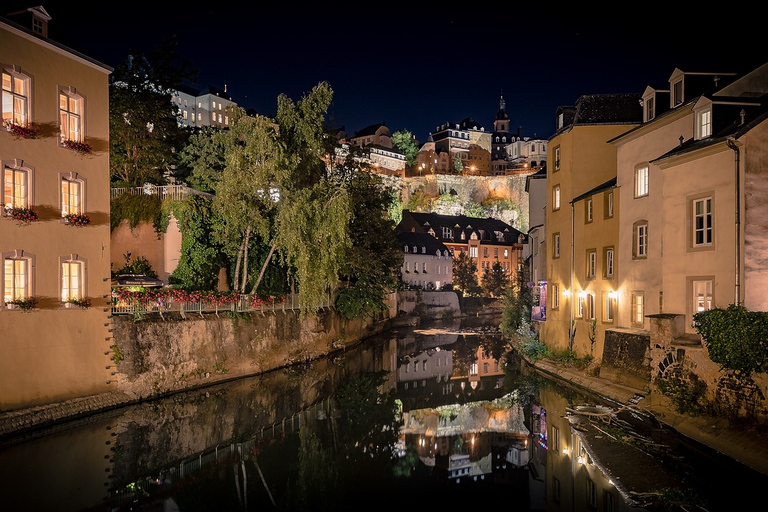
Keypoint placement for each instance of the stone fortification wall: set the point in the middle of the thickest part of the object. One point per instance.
(159, 355)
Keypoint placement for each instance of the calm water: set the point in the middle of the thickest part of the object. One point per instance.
(417, 419)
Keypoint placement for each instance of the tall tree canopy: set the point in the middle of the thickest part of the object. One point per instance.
(405, 141)
(143, 121)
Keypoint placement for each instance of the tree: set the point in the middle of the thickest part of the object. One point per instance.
(465, 274)
(200, 260)
(203, 158)
(372, 266)
(517, 304)
(495, 280)
(405, 141)
(143, 121)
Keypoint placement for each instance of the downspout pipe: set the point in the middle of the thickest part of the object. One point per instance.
(570, 284)
(737, 164)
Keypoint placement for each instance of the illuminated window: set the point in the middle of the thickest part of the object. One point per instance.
(71, 196)
(16, 187)
(16, 92)
(702, 294)
(70, 115)
(72, 279)
(556, 197)
(705, 123)
(608, 262)
(17, 268)
(638, 308)
(641, 181)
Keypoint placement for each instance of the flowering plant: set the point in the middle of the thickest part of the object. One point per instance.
(21, 214)
(82, 303)
(81, 147)
(25, 131)
(77, 219)
(26, 304)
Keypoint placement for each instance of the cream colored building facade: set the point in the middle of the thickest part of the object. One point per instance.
(580, 166)
(693, 180)
(55, 350)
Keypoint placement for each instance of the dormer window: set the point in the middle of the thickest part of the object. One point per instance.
(704, 123)
(677, 93)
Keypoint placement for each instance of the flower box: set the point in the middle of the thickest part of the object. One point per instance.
(21, 215)
(77, 219)
(81, 147)
(22, 131)
(77, 303)
(23, 304)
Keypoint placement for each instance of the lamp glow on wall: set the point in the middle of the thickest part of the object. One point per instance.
(566, 293)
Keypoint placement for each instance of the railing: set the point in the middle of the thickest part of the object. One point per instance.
(243, 304)
(175, 192)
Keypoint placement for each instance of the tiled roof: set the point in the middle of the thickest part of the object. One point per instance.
(422, 222)
(420, 240)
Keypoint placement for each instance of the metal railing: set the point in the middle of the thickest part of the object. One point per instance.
(175, 192)
(243, 304)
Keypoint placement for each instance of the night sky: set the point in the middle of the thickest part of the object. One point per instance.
(415, 68)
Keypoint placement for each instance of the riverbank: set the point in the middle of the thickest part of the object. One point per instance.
(745, 444)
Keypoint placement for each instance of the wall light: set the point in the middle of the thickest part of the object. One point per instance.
(613, 295)
(566, 293)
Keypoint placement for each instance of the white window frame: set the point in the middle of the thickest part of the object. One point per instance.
(609, 303)
(609, 261)
(703, 222)
(556, 245)
(16, 96)
(19, 284)
(591, 263)
(72, 277)
(641, 240)
(641, 181)
(15, 193)
(702, 293)
(72, 194)
(556, 197)
(704, 124)
(637, 313)
(588, 208)
(71, 115)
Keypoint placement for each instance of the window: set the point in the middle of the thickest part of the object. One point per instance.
(424, 267)
(640, 242)
(555, 245)
(556, 197)
(608, 262)
(17, 282)
(591, 494)
(701, 289)
(555, 439)
(608, 205)
(555, 303)
(677, 93)
(473, 252)
(70, 115)
(641, 181)
(608, 306)
(72, 279)
(702, 222)
(650, 110)
(638, 308)
(16, 187)
(591, 263)
(555, 490)
(588, 210)
(705, 124)
(15, 97)
(580, 304)
(609, 502)
(557, 158)
(447, 233)
(71, 195)
(590, 304)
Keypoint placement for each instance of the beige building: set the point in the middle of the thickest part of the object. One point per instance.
(54, 234)
(467, 142)
(581, 164)
(692, 179)
(203, 107)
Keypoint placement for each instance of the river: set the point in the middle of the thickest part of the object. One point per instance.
(417, 418)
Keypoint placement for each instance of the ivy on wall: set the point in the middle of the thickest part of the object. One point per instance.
(137, 209)
(737, 339)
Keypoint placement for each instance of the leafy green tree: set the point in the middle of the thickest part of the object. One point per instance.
(465, 274)
(458, 167)
(203, 158)
(517, 304)
(405, 141)
(372, 266)
(143, 121)
(200, 260)
(495, 280)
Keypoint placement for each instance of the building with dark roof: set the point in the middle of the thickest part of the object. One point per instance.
(205, 106)
(486, 241)
(427, 261)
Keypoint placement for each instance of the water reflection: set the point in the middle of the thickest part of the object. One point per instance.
(416, 418)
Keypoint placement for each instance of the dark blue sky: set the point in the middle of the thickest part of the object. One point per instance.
(418, 67)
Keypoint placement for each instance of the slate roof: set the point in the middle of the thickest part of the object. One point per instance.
(420, 240)
(607, 109)
(368, 130)
(485, 229)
